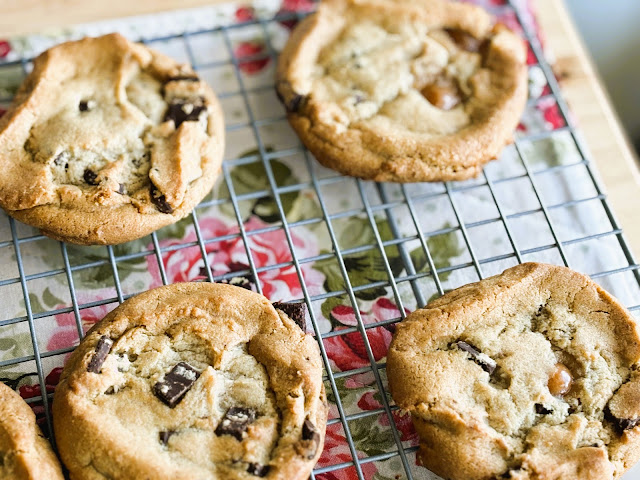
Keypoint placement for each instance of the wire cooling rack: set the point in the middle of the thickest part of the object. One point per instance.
(376, 201)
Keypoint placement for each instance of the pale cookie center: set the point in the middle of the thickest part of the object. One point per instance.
(411, 78)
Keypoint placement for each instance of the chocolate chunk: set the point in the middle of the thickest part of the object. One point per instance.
(235, 422)
(309, 433)
(176, 384)
(486, 363)
(464, 40)
(103, 348)
(542, 410)
(86, 105)
(165, 436)
(184, 78)
(294, 101)
(258, 470)
(90, 177)
(60, 158)
(159, 200)
(184, 111)
(122, 190)
(621, 424)
(295, 311)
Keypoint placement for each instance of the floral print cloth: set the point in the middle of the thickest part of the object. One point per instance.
(357, 251)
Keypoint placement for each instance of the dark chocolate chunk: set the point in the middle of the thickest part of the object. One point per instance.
(295, 311)
(542, 410)
(310, 433)
(90, 177)
(165, 436)
(160, 200)
(86, 105)
(235, 422)
(122, 190)
(486, 363)
(176, 384)
(294, 102)
(103, 348)
(258, 470)
(60, 158)
(621, 424)
(184, 78)
(180, 110)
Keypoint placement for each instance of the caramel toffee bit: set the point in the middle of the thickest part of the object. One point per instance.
(90, 177)
(181, 110)
(258, 470)
(309, 433)
(484, 361)
(160, 200)
(464, 40)
(235, 422)
(165, 436)
(560, 381)
(103, 348)
(444, 93)
(295, 311)
(176, 384)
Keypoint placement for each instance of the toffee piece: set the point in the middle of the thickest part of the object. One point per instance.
(532, 374)
(192, 380)
(404, 90)
(107, 141)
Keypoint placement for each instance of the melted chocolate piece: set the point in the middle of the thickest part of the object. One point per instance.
(235, 422)
(486, 363)
(176, 384)
(258, 470)
(542, 410)
(621, 424)
(103, 347)
(160, 200)
(86, 105)
(184, 78)
(295, 101)
(309, 433)
(181, 110)
(165, 436)
(90, 177)
(295, 311)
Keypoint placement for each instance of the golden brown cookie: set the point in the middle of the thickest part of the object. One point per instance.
(533, 374)
(404, 90)
(24, 453)
(107, 141)
(192, 380)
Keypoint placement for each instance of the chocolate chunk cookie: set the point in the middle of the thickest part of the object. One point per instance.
(403, 91)
(107, 141)
(193, 380)
(531, 374)
(24, 453)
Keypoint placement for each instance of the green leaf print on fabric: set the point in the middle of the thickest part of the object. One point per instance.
(15, 346)
(49, 299)
(10, 79)
(363, 268)
(442, 249)
(252, 177)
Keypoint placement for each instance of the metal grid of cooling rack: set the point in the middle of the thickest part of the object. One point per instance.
(408, 199)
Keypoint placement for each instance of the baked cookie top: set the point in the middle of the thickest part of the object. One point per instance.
(193, 380)
(531, 374)
(405, 90)
(108, 140)
(24, 453)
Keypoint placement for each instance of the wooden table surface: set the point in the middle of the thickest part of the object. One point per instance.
(582, 88)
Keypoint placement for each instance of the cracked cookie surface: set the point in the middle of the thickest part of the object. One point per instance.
(531, 374)
(403, 90)
(24, 452)
(107, 141)
(192, 381)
